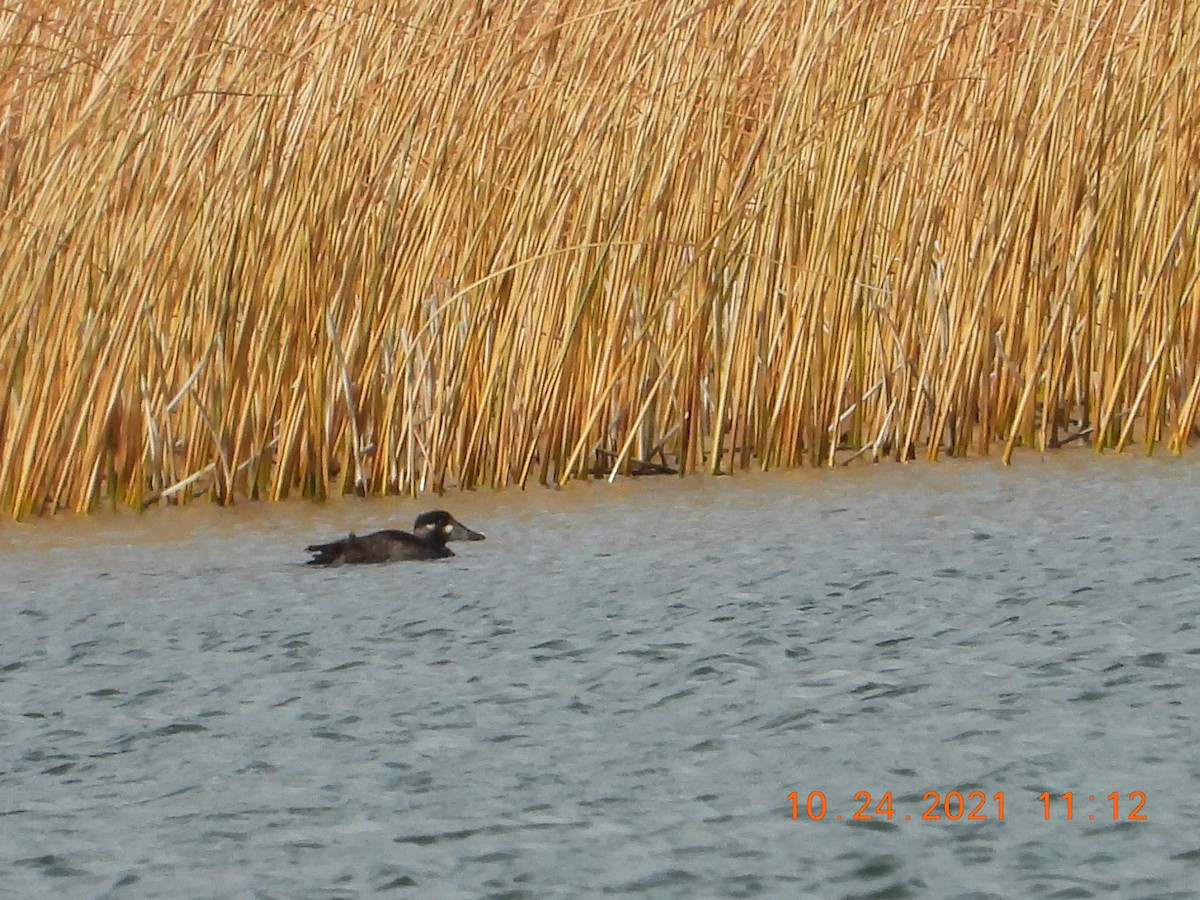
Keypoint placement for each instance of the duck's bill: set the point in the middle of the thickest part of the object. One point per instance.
(462, 533)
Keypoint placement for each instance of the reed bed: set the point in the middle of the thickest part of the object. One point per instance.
(272, 249)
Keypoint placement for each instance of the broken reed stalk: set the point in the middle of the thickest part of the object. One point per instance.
(261, 250)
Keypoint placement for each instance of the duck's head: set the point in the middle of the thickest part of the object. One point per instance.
(439, 525)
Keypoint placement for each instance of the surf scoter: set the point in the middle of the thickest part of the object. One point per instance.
(428, 540)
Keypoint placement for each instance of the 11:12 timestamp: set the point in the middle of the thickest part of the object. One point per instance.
(971, 806)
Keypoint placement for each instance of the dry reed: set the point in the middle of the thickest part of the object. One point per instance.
(254, 250)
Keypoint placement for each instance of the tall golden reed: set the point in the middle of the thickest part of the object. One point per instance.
(260, 249)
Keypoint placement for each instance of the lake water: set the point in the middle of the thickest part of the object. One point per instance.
(617, 692)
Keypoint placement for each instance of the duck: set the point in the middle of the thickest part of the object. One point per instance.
(427, 540)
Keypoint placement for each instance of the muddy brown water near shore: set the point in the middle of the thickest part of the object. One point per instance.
(617, 692)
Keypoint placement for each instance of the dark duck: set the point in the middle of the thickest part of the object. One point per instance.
(428, 540)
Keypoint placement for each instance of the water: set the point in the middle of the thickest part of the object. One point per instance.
(616, 693)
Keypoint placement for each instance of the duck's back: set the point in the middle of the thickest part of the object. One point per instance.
(378, 547)
(393, 544)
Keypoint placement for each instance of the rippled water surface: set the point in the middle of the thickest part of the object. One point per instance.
(616, 693)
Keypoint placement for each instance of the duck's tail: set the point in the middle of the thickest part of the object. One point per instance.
(331, 554)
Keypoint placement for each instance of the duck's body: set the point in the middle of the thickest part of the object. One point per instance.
(427, 541)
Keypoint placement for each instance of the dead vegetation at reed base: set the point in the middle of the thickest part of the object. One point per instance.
(261, 249)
